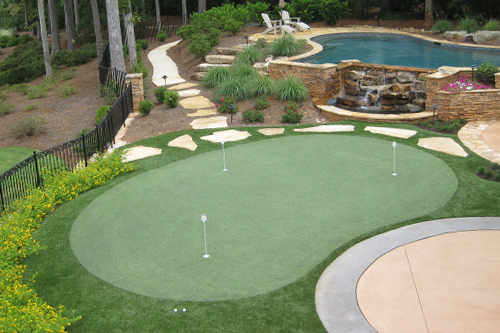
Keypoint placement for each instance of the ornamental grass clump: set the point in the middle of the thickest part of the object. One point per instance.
(442, 26)
(248, 56)
(291, 88)
(490, 172)
(492, 25)
(215, 76)
(464, 83)
(260, 85)
(468, 24)
(287, 46)
(231, 87)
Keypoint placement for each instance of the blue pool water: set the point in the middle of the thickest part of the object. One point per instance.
(392, 49)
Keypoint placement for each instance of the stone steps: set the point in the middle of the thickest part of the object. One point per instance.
(219, 59)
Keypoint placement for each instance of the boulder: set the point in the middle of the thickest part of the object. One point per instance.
(421, 86)
(402, 87)
(406, 78)
(392, 95)
(352, 88)
(206, 67)
(373, 98)
(356, 75)
(219, 59)
(455, 35)
(228, 51)
(379, 88)
(353, 102)
(487, 37)
(198, 76)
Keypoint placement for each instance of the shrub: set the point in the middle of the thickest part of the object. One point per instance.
(468, 24)
(31, 107)
(101, 113)
(145, 107)
(215, 76)
(287, 46)
(144, 44)
(59, 58)
(21, 88)
(200, 47)
(442, 26)
(333, 10)
(485, 73)
(226, 105)
(492, 25)
(231, 87)
(292, 114)
(160, 93)
(261, 42)
(251, 116)
(6, 108)
(249, 56)
(66, 90)
(171, 98)
(442, 126)
(291, 88)
(307, 10)
(161, 36)
(232, 26)
(141, 68)
(262, 102)
(28, 126)
(260, 85)
(255, 9)
(40, 90)
(79, 57)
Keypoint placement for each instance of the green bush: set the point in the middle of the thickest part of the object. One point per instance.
(28, 126)
(101, 113)
(307, 10)
(255, 10)
(262, 102)
(452, 126)
(40, 90)
(141, 68)
(291, 88)
(171, 98)
(334, 10)
(233, 87)
(261, 43)
(59, 58)
(66, 90)
(160, 93)
(260, 85)
(144, 44)
(82, 56)
(161, 36)
(253, 116)
(6, 108)
(24, 64)
(249, 56)
(200, 47)
(485, 73)
(31, 107)
(145, 107)
(287, 46)
(21, 88)
(442, 26)
(468, 24)
(226, 105)
(292, 114)
(215, 76)
(492, 25)
(232, 26)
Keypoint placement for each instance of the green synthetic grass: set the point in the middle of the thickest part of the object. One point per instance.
(10, 156)
(105, 308)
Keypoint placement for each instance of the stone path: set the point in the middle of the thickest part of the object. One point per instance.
(471, 136)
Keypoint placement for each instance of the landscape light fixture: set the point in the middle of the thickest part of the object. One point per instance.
(223, 155)
(204, 219)
(231, 108)
(164, 77)
(246, 37)
(473, 67)
(434, 107)
(179, 48)
(394, 145)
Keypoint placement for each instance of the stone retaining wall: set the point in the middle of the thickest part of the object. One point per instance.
(137, 88)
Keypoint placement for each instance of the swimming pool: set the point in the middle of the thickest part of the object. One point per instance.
(398, 50)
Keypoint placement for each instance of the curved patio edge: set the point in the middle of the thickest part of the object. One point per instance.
(336, 300)
(335, 113)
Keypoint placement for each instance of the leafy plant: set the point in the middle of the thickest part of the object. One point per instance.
(66, 90)
(232, 87)
(6, 108)
(261, 42)
(21, 88)
(141, 68)
(243, 72)
(171, 98)
(334, 10)
(144, 44)
(161, 36)
(291, 88)
(287, 46)
(492, 25)
(145, 107)
(31, 107)
(464, 84)
(262, 102)
(292, 114)
(101, 113)
(248, 56)
(485, 73)
(441, 26)
(253, 116)
(468, 24)
(260, 85)
(442, 126)
(255, 9)
(215, 76)
(226, 105)
(40, 90)
(28, 126)
(200, 47)
(307, 10)
(160, 93)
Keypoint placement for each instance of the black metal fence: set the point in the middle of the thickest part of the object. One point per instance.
(17, 181)
(149, 29)
(111, 80)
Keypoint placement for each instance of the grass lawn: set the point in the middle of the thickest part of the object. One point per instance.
(285, 303)
(10, 156)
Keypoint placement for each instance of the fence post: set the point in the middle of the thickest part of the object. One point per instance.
(37, 171)
(112, 128)
(1, 196)
(98, 134)
(84, 150)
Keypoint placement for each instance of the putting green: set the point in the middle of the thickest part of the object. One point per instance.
(283, 205)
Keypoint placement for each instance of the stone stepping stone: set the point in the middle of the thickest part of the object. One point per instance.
(183, 86)
(203, 113)
(184, 141)
(213, 122)
(327, 129)
(139, 152)
(396, 132)
(198, 102)
(271, 131)
(229, 135)
(189, 93)
(445, 145)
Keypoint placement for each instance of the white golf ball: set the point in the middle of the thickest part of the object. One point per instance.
(184, 310)
(175, 310)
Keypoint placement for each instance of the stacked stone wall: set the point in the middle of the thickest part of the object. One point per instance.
(137, 88)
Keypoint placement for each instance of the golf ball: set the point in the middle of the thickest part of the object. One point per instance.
(175, 310)
(184, 310)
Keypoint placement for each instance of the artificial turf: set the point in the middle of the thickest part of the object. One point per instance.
(62, 279)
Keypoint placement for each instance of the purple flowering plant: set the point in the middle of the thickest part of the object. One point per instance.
(464, 83)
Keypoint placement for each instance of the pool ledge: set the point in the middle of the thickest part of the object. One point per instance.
(334, 113)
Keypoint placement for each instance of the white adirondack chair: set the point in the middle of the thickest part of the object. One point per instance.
(275, 25)
(294, 21)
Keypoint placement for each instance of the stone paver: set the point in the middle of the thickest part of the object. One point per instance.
(271, 131)
(326, 129)
(396, 132)
(445, 145)
(183, 86)
(198, 102)
(184, 141)
(164, 65)
(229, 135)
(471, 136)
(203, 113)
(189, 92)
(213, 122)
(346, 114)
(139, 152)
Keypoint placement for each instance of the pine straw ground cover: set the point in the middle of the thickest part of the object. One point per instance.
(104, 308)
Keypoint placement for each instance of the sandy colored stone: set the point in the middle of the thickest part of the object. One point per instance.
(491, 135)
(184, 141)
(139, 152)
(213, 122)
(164, 65)
(189, 93)
(203, 113)
(183, 86)
(198, 102)
(445, 145)
(271, 131)
(396, 132)
(229, 135)
(327, 129)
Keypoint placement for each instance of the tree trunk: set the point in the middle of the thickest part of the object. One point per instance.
(45, 42)
(97, 28)
(75, 7)
(202, 6)
(158, 18)
(26, 13)
(70, 24)
(428, 19)
(184, 12)
(115, 35)
(54, 27)
(129, 30)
